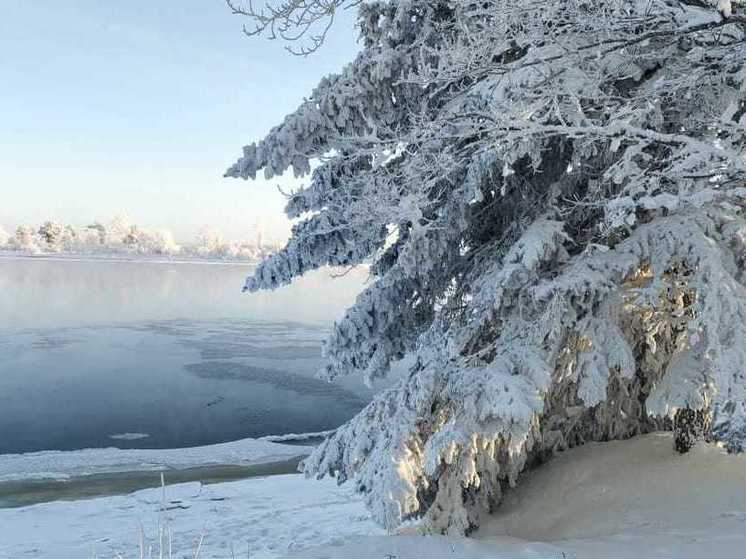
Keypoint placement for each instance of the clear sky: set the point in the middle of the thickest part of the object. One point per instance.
(137, 108)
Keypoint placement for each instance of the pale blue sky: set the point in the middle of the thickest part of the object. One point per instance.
(137, 108)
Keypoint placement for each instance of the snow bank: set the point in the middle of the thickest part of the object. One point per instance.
(65, 465)
(606, 489)
(633, 499)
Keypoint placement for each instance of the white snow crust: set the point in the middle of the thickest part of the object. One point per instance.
(272, 516)
(626, 489)
(68, 464)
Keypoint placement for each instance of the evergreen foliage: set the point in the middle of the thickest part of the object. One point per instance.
(551, 194)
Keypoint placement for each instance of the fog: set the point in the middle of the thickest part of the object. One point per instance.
(43, 293)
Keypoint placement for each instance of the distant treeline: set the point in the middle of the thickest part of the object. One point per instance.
(121, 237)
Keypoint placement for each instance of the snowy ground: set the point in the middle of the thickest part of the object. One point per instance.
(633, 486)
(272, 516)
(624, 500)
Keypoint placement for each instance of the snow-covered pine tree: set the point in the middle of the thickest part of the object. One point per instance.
(551, 196)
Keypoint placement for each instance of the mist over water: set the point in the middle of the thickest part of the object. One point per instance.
(41, 292)
(151, 355)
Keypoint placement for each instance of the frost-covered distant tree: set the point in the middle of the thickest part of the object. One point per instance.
(26, 239)
(552, 197)
(133, 236)
(4, 237)
(161, 241)
(118, 230)
(50, 233)
(70, 238)
(99, 232)
(150, 241)
(210, 242)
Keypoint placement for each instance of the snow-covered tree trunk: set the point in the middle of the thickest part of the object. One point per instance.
(551, 196)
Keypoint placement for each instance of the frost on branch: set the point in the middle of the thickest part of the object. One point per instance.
(551, 197)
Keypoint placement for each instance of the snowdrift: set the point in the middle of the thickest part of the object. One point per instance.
(628, 487)
(634, 499)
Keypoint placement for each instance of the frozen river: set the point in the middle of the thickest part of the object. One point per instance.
(162, 355)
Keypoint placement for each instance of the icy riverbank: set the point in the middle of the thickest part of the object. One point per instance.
(57, 465)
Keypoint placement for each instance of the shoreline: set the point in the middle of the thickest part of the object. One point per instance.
(123, 258)
(55, 476)
(29, 492)
(66, 465)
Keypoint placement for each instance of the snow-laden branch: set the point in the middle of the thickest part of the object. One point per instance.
(302, 22)
(551, 195)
